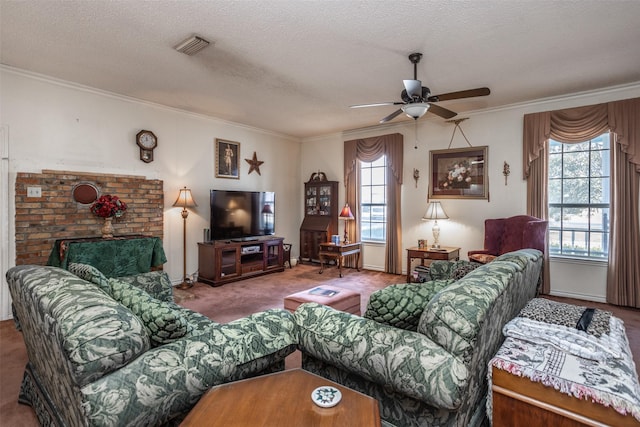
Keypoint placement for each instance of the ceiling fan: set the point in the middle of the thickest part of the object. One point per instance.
(417, 99)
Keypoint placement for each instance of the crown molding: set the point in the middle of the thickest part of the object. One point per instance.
(88, 89)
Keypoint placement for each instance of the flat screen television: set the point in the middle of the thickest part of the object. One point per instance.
(242, 215)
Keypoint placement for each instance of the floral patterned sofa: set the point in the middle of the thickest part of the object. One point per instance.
(434, 372)
(119, 351)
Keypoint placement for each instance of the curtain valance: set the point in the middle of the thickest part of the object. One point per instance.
(369, 149)
(581, 124)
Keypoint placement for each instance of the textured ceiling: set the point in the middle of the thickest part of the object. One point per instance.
(294, 67)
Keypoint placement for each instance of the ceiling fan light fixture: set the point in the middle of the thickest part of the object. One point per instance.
(415, 110)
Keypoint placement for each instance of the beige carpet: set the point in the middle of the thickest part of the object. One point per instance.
(237, 299)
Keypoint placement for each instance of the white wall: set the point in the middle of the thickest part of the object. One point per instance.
(56, 125)
(501, 131)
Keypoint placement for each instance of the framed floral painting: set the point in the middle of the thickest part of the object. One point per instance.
(226, 155)
(459, 173)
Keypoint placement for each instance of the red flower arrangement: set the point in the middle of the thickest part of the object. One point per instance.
(108, 206)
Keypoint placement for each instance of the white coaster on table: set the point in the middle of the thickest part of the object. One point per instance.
(326, 396)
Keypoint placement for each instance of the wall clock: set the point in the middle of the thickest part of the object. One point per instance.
(147, 141)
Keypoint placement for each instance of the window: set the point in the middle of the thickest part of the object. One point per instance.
(373, 200)
(579, 178)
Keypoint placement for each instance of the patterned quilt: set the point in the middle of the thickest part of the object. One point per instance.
(600, 369)
(548, 311)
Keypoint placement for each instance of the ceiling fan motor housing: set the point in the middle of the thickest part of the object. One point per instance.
(422, 98)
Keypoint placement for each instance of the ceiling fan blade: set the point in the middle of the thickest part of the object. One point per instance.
(441, 111)
(391, 116)
(377, 104)
(413, 87)
(470, 93)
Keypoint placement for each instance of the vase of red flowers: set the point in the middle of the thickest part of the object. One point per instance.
(108, 207)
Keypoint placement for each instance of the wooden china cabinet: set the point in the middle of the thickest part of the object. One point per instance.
(320, 215)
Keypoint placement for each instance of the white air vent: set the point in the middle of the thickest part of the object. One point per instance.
(192, 45)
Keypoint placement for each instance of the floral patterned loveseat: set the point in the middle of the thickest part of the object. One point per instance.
(120, 352)
(434, 373)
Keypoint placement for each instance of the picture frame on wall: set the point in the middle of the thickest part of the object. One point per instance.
(227, 159)
(459, 173)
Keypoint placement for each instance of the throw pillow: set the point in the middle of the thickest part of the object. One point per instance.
(90, 274)
(163, 321)
(155, 283)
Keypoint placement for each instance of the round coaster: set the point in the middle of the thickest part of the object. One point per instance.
(326, 396)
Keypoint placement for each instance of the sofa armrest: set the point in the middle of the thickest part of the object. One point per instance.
(401, 305)
(479, 252)
(406, 362)
(166, 382)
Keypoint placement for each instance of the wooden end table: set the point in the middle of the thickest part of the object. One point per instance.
(281, 399)
(331, 250)
(446, 253)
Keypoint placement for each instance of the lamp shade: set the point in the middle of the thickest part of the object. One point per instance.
(185, 199)
(346, 212)
(435, 211)
(266, 209)
(415, 110)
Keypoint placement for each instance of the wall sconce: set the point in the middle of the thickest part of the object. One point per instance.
(506, 171)
(185, 200)
(346, 215)
(435, 212)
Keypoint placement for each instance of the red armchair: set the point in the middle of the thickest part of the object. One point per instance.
(504, 235)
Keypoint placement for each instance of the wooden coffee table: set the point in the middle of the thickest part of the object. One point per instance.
(281, 399)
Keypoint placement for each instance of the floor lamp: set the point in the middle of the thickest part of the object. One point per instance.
(185, 200)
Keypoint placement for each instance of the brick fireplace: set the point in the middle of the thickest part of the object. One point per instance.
(55, 214)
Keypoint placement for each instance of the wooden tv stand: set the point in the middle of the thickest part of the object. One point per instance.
(224, 261)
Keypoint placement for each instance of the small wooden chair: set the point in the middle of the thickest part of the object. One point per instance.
(286, 254)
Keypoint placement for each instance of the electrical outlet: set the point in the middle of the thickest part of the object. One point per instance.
(34, 192)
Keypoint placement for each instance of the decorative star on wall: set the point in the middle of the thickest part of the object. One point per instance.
(255, 164)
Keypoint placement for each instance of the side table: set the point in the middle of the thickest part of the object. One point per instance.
(446, 253)
(331, 250)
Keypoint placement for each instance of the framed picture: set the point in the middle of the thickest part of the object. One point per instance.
(227, 156)
(459, 173)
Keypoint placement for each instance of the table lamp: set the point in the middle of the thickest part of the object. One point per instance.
(267, 212)
(346, 215)
(435, 212)
(184, 200)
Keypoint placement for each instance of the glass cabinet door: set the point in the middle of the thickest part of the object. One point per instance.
(228, 262)
(324, 200)
(311, 201)
(273, 255)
